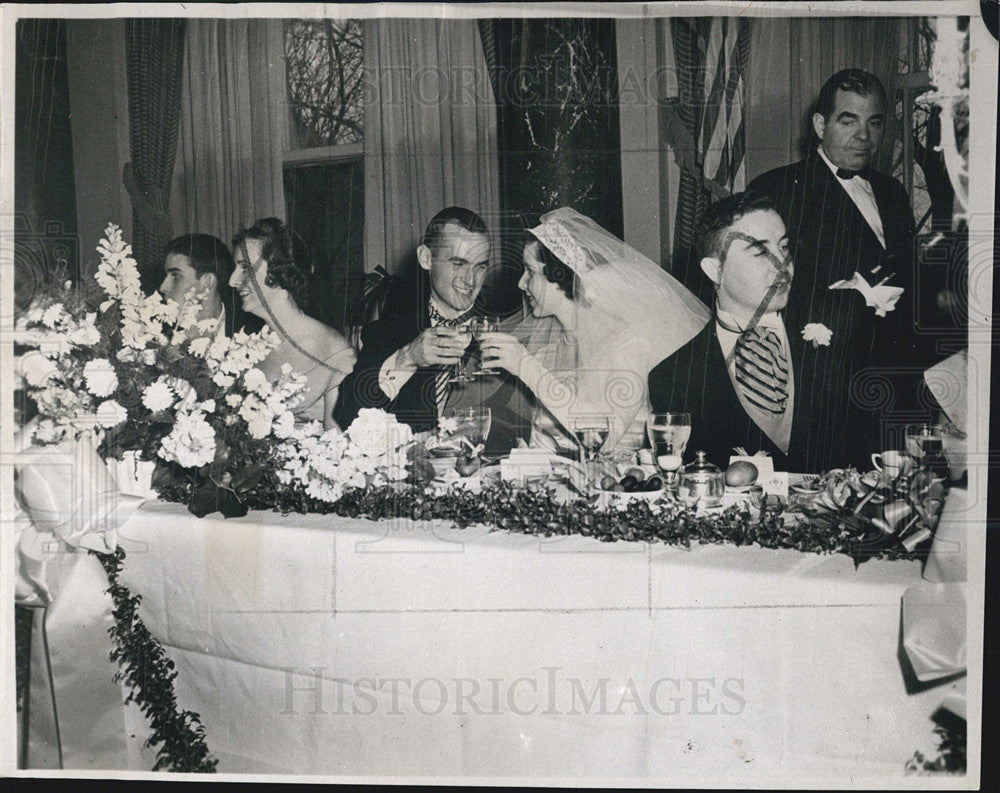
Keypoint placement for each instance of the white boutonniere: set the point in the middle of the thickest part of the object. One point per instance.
(880, 297)
(818, 333)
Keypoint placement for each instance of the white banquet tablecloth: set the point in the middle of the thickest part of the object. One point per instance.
(717, 664)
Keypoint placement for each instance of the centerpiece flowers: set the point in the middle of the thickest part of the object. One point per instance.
(139, 374)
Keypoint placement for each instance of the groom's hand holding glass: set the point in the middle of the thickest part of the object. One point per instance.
(437, 346)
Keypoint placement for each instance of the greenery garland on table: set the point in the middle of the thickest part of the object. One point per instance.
(537, 511)
(150, 675)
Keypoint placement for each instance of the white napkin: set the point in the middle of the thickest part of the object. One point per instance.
(522, 463)
(934, 629)
(880, 297)
(67, 490)
(948, 381)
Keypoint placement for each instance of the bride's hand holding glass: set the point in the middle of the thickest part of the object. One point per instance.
(502, 350)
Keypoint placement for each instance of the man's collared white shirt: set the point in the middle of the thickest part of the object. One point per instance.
(777, 428)
(861, 193)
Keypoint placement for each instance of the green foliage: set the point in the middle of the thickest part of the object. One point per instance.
(150, 674)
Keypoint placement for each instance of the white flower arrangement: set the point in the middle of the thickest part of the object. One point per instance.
(818, 333)
(373, 451)
(134, 376)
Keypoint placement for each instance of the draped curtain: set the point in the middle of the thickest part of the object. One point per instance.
(233, 100)
(430, 135)
(154, 51)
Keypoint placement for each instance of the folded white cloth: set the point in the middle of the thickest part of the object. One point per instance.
(934, 635)
(947, 558)
(66, 489)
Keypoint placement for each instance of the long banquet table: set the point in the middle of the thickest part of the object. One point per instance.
(314, 644)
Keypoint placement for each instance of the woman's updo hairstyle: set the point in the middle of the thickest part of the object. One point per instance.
(557, 271)
(288, 264)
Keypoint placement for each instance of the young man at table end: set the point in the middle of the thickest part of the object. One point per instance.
(737, 377)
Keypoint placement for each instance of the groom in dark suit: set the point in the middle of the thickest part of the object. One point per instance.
(843, 218)
(408, 355)
(739, 377)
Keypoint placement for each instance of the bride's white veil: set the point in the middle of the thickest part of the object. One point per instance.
(635, 292)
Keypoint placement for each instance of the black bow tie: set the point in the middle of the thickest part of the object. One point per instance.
(864, 173)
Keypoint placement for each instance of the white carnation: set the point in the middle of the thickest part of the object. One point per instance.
(191, 443)
(53, 315)
(37, 368)
(818, 333)
(158, 396)
(46, 431)
(110, 413)
(100, 376)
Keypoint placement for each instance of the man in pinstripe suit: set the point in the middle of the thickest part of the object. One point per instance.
(737, 377)
(845, 218)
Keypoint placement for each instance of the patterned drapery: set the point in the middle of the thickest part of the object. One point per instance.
(704, 124)
(154, 55)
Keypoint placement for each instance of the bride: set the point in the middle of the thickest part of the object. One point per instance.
(274, 277)
(620, 315)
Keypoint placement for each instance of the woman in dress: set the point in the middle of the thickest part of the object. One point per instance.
(620, 315)
(273, 277)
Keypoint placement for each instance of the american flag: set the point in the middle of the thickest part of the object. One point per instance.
(705, 74)
(721, 122)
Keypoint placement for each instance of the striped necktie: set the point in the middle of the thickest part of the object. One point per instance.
(441, 379)
(762, 369)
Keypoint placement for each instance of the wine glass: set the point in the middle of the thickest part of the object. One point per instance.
(481, 325)
(459, 375)
(668, 437)
(590, 431)
(473, 423)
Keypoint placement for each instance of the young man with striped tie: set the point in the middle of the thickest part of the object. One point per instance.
(737, 377)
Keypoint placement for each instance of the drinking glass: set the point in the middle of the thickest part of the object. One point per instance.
(668, 437)
(481, 325)
(473, 423)
(925, 443)
(590, 431)
(459, 375)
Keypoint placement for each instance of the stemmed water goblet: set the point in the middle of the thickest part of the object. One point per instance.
(473, 425)
(591, 431)
(668, 437)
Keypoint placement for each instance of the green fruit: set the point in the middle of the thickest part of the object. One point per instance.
(741, 473)
(629, 484)
(608, 482)
(654, 483)
(638, 473)
(466, 465)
